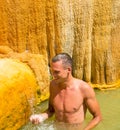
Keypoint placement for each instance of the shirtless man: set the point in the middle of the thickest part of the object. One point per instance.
(69, 97)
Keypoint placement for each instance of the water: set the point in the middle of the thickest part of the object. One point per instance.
(43, 126)
(110, 107)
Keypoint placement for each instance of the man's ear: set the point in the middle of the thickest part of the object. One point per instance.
(69, 69)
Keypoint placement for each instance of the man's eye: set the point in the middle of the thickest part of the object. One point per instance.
(56, 72)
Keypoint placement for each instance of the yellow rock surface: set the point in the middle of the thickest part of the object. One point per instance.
(38, 64)
(17, 93)
(86, 29)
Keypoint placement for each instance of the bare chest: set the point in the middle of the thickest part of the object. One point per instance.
(68, 100)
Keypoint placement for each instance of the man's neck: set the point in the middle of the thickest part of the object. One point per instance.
(67, 83)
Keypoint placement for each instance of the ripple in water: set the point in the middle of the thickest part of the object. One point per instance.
(43, 126)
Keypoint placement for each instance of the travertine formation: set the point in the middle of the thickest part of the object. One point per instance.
(17, 93)
(33, 31)
(87, 30)
(24, 79)
(38, 65)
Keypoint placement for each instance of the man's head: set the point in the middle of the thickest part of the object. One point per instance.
(61, 66)
(65, 58)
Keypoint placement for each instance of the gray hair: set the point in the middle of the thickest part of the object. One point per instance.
(66, 59)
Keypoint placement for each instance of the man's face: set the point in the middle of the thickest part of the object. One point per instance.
(59, 72)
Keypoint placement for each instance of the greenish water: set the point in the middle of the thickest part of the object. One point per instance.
(110, 107)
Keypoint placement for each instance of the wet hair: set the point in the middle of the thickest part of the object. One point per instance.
(66, 59)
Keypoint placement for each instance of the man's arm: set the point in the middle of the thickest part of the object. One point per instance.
(38, 118)
(49, 112)
(93, 107)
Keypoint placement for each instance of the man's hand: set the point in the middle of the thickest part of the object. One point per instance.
(37, 118)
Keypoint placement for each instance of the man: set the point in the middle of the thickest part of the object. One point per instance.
(69, 97)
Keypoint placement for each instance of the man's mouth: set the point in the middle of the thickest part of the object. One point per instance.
(55, 78)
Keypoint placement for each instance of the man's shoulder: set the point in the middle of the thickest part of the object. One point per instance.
(81, 83)
(84, 86)
(78, 80)
(87, 90)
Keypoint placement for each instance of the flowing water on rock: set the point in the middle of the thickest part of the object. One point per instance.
(110, 107)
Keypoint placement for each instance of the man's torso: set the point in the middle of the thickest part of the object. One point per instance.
(68, 103)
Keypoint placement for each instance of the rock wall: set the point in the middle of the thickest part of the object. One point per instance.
(115, 38)
(24, 82)
(87, 30)
(17, 93)
(38, 65)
